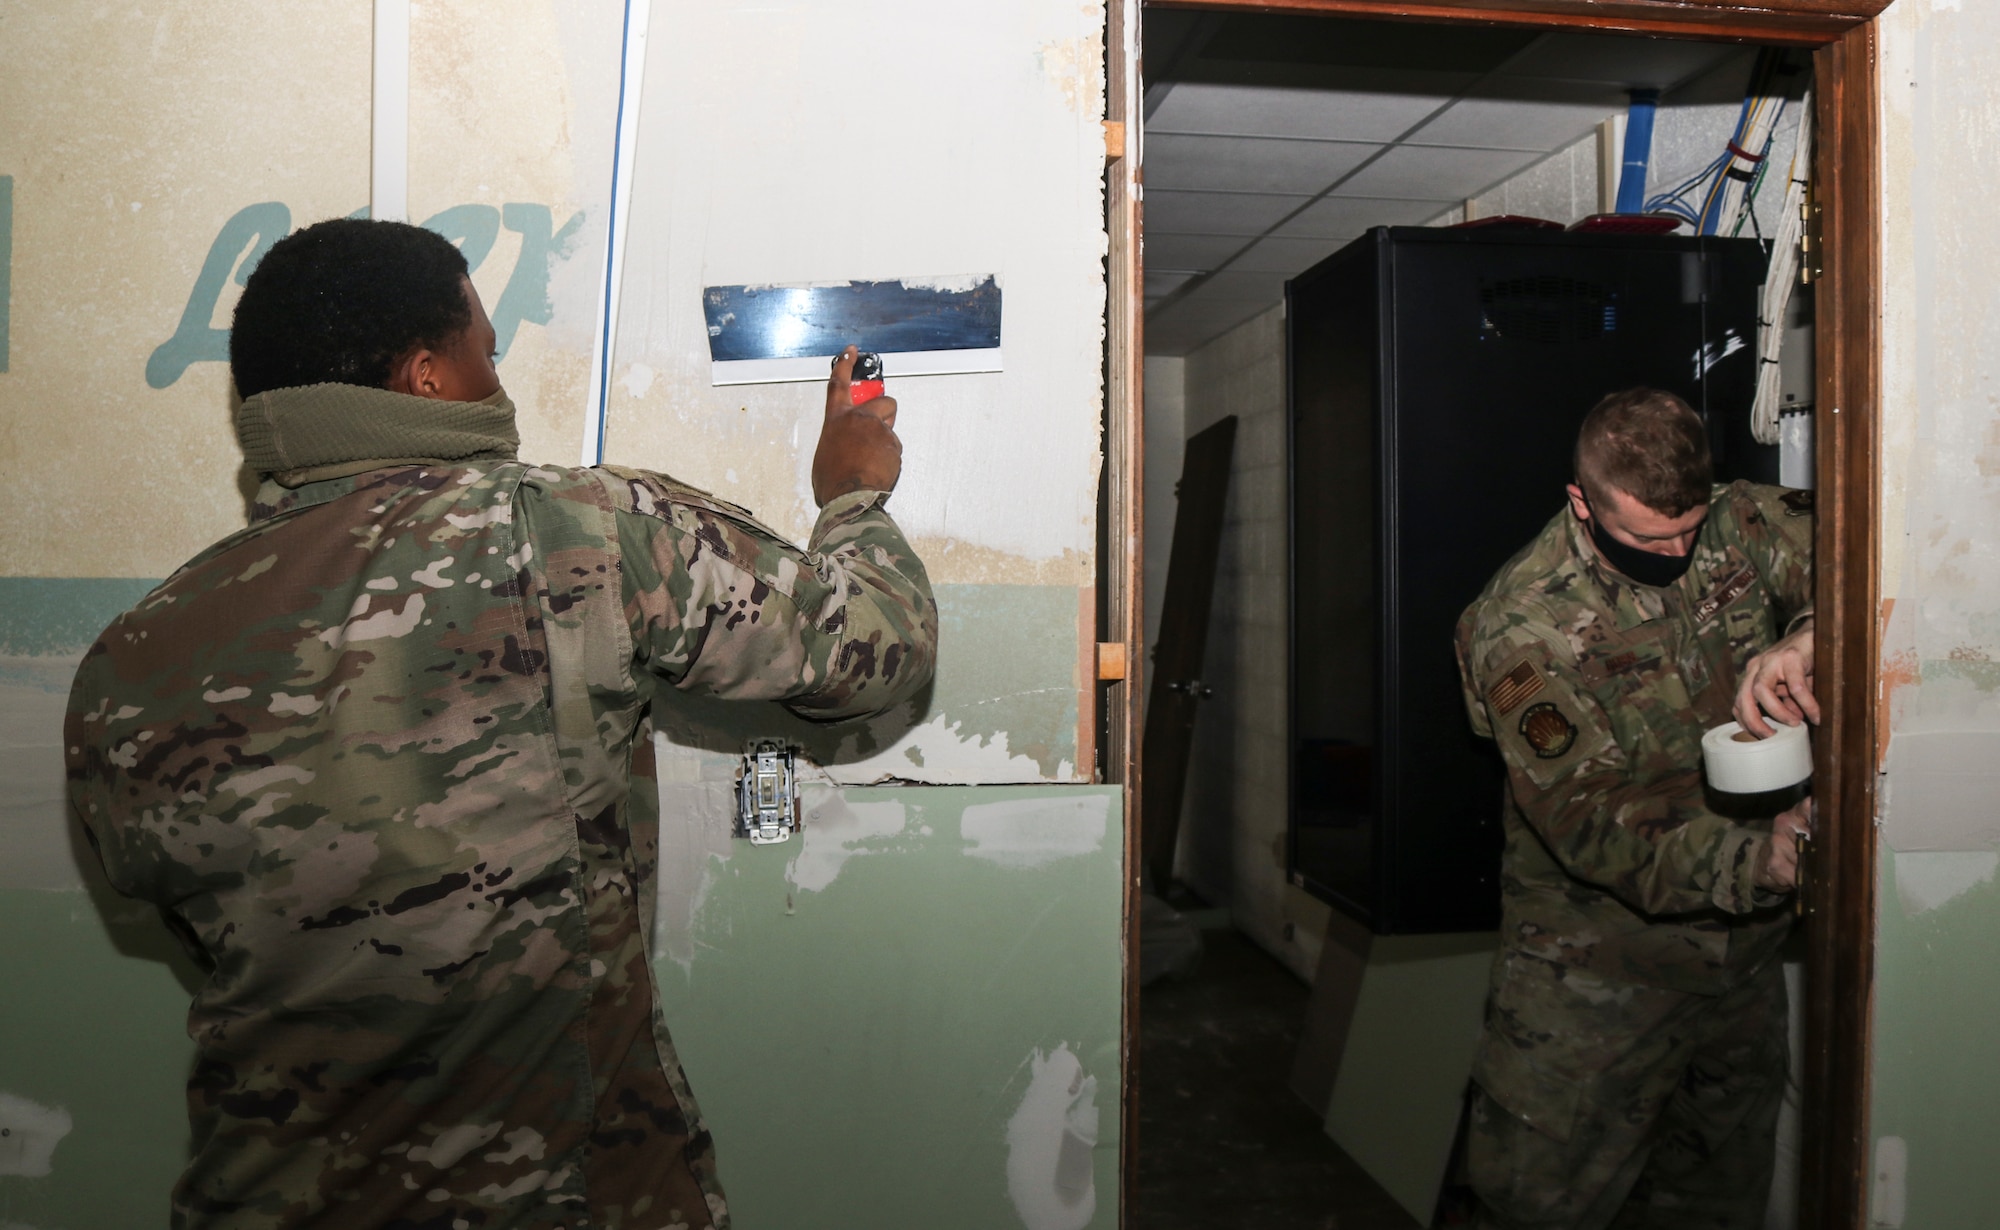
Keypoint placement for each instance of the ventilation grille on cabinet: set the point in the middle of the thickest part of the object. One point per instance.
(1549, 311)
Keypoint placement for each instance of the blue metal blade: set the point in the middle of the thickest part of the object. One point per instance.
(790, 322)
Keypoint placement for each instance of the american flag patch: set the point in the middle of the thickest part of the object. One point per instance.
(1515, 687)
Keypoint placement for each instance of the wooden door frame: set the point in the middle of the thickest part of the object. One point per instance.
(1840, 897)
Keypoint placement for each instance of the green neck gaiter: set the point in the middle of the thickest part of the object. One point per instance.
(322, 431)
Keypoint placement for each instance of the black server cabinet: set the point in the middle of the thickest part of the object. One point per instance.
(1436, 381)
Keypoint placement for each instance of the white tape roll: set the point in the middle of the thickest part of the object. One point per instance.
(1740, 763)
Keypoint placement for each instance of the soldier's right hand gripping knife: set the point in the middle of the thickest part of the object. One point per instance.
(867, 383)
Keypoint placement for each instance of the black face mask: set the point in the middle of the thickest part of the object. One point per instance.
(1642, 566)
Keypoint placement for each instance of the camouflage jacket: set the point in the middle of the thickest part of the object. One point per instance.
(372, 757)
(1598, 690)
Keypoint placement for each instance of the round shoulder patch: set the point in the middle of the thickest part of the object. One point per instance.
(1547, 730)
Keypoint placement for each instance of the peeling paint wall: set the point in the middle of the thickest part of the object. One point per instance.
(1936, 1090)
(960, 946)
(978, 152)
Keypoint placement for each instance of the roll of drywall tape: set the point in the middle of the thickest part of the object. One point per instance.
(1741, 763)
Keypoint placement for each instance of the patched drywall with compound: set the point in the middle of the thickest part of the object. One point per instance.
(1936, 1091)
(156, 151)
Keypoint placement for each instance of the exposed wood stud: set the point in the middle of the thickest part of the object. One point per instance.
(1840, 949)
(1121, 535)
(1110, 660)
(1114, 140)
(1794, 23)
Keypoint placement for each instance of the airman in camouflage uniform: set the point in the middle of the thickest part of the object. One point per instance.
(1634, 1057)
(372, 757)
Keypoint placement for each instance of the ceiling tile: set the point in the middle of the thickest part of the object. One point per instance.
(1523, 115)
(1288, 257)
(1436, 173)
(1164, 281)
(1340, 215)
(1200, 252)
(1310, 40)
(1215, 213)
(1248, 164)
(1233, 283)
(1262, 111)
(1621, 61)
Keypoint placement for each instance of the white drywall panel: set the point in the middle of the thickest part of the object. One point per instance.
(821, 142)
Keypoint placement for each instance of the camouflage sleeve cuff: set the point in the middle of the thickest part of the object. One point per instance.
(1737, 856)
(842, 509)
(1800, 620)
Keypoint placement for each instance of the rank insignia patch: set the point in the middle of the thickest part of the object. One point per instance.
(1797, 503)
(1516, 686)
(1547, 730)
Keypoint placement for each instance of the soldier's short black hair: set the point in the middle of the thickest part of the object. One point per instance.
(340, 301)
(1649, 444)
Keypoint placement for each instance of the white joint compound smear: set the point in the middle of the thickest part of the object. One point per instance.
(1888, 1195)
(29, 1133)
(698, 804)
(951, 284)
(943, 757)
(1051, 1170)
(1927, 879)
(1031, 832)
(833, 832)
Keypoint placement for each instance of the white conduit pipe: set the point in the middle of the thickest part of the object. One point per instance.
(1779, 282)
(631, 75)
(389, 147)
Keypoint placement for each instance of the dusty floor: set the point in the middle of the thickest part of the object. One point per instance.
(1223, 1144)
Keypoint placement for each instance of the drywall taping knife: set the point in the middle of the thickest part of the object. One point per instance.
(765, 334)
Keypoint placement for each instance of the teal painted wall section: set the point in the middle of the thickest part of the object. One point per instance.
(61, 616)
(1003, 707)
(1937, 995)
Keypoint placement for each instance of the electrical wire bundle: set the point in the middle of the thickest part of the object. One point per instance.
(1732, 192)
(1727, 190)
(1718, 199)
(1780, 280)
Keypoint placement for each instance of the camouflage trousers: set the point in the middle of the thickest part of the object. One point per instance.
(1602, 1104)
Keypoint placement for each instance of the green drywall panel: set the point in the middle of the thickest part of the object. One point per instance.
(867, 1050)
(1408, 1059)
(864, 1058)
(1937, 995)
(93, 1013)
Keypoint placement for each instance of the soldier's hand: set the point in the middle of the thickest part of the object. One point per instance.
(1778, 870)
(1778, 683)
(858, 448)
